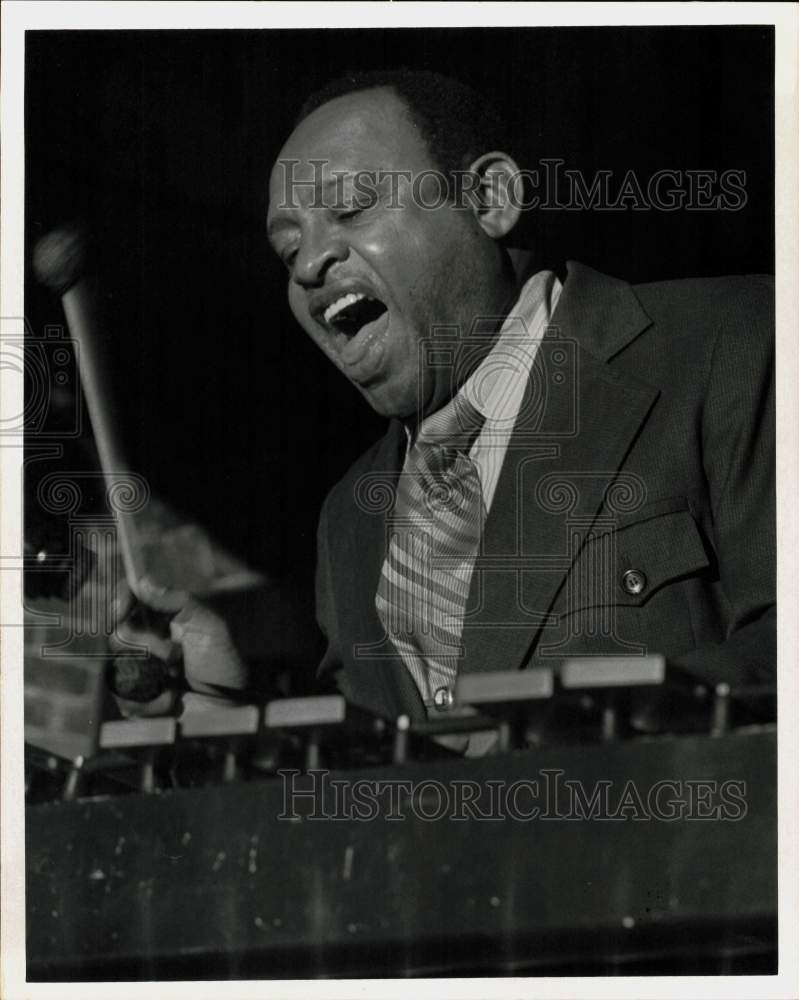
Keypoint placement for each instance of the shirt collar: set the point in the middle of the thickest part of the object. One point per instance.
(494, 386)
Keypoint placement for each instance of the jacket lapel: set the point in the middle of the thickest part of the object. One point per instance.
(568, 444)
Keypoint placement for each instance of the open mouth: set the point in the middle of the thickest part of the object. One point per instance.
(351, 312)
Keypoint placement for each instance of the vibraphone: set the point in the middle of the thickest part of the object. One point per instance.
(306, 838)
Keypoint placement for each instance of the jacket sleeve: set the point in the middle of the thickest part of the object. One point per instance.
(738, 440)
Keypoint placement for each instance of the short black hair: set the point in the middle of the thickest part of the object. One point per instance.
(457, 122)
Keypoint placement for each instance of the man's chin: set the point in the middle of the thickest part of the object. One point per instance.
(390, 401)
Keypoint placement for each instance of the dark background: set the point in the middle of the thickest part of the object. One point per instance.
(162, 143)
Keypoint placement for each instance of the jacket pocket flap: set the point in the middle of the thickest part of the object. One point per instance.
(626, 566)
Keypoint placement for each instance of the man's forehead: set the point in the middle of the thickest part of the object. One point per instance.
(366, 130)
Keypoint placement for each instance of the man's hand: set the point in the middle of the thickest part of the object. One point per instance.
(168, 624)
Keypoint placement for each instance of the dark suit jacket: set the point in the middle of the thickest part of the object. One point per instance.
(647, 445)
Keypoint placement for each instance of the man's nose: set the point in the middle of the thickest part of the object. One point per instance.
(320, 249)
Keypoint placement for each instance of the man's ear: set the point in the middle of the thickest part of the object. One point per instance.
(493, 196)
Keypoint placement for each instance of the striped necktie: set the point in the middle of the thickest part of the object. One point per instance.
(435, 532)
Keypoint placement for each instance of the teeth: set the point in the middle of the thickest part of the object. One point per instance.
(346, 300)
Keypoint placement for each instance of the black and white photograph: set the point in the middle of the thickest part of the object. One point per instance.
(396, 436)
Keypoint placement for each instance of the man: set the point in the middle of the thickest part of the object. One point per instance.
(609, 448)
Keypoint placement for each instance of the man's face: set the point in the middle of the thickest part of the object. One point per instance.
(369, 281)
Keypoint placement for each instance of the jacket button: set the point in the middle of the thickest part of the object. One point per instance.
(443, 699)
(634, 581)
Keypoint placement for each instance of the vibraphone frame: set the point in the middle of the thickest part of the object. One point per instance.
(209, 883)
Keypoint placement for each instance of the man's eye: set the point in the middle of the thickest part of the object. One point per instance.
(354, 209)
